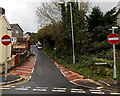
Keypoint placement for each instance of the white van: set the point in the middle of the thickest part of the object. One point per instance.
(38, 46)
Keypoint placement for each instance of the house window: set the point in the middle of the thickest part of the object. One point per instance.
(14, 39)
(16, 31)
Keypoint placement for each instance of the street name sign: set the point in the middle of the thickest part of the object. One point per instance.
(101, 63)
(113, 38)
(6, 40)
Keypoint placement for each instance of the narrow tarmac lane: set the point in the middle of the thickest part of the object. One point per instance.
(46, 76)
(47, 79)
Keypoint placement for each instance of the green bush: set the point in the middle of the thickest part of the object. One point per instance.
(86, 64)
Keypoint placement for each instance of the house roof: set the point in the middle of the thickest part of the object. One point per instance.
(12, 25)
(3, 16)
(118, 12)
(2, 11)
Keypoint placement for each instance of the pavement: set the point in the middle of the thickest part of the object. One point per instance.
(9, 79)
(111, 84)
(19, 74)
(81, 80)
(77, 79)
(24, 72)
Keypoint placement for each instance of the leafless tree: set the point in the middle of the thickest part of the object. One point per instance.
(84, 6)
(49, 12)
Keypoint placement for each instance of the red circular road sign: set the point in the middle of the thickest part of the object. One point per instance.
(113, 38)
(6, 40)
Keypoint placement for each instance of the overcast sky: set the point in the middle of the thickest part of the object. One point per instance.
(23, 11)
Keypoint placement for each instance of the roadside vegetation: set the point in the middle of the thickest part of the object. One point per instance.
(90, 34)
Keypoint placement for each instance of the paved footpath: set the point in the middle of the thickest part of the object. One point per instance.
(76, 78)
(20, 74)
(26, 69)
(45, 67)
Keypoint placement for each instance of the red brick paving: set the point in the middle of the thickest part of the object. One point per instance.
(70, 75)
(25, 69)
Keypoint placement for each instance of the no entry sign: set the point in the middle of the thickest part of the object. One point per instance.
(113, 38)
(6, 40)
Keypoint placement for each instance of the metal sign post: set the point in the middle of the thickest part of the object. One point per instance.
(114, 67)
(114, 39)
(6, 40)
(6, 64)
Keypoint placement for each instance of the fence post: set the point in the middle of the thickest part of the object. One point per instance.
(16, 58)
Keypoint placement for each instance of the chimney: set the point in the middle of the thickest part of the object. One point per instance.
(2, 11)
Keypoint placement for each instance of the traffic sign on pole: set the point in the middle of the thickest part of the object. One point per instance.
(6, 40)
(113, 38)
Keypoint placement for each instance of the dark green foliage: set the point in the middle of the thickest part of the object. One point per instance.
(110, 17)
(98, 18)
(95, 18)
(89, 44)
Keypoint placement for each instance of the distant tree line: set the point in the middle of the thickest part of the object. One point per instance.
(90, 31)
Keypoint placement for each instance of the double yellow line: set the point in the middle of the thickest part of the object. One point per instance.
(19, 81)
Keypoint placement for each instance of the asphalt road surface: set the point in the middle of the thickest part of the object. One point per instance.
(46, 79)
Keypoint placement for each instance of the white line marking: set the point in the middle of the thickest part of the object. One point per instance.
(99, 87)
(78, 91)
(32, 69)
(81, 85)
(57, 66)
(21, 89)
(35, 60)
(26, 67)
(30, 77)
(58, 90)
(23, 71)
(42, 87)
(4, 88)
(104, 82)
(55, 63)
(28, 87)
(65, 72)
(10, 86)
(33, 52)
(94, 90)
(115, 93)
(76, 79)
(97, 92)
(62, 67)
(39, 89)
(70, 75)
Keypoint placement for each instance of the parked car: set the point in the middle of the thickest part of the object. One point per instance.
(38, 46)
